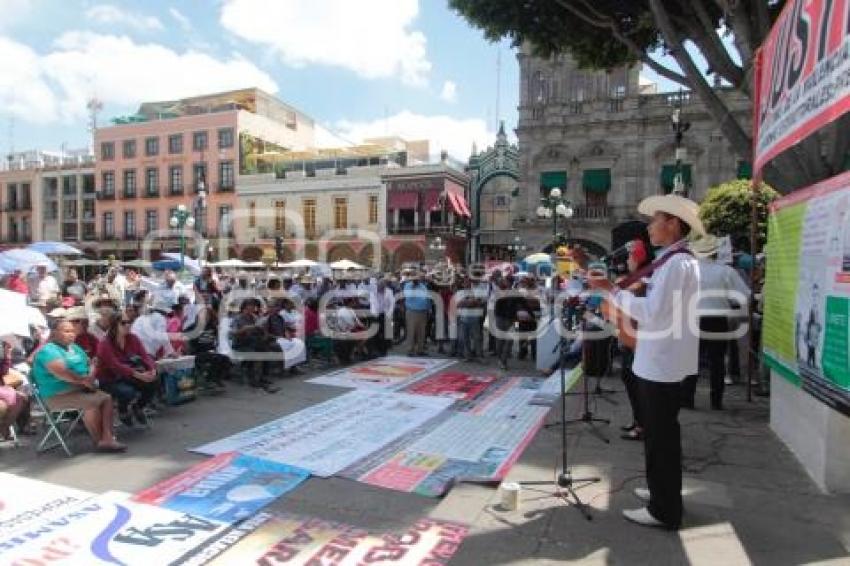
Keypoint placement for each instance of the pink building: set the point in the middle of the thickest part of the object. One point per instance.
(151, 163)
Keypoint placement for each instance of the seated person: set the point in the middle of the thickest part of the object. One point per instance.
(202, 339)
(85, 339)
(14, 403)
(248, 334)
(282, 324)
(311, 318)
(348, 325)
(152, 329)
(126, 371)
(66, 380)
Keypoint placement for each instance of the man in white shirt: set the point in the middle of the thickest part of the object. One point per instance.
(667, 351)
(44, 287)
(722, 294)
(151, 329)
(381, 303)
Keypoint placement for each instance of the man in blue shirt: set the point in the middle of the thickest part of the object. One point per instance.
(417, 304)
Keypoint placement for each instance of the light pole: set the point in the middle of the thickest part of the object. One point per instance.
(553, 206)
(679, 128)
(184, 218)
(437, 245)
(516, 247)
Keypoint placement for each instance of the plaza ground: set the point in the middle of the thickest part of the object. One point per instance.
(747, 499)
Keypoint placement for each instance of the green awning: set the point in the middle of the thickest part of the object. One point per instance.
(596, 180)
(552, 179)
(668, 176)
(745, 170)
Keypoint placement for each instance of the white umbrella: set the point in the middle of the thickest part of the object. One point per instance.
(344, 264)
(300, 263)
(16, 316)
(25, 260)
(54, 248)
(228, 263)
(84, 262)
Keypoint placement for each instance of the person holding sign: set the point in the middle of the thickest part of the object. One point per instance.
(666, 350)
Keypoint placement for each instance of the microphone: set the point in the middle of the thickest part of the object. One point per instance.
(621, 253)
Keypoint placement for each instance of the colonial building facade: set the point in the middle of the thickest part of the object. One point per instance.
(606, 141)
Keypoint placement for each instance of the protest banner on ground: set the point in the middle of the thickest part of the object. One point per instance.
(292, 539)
(807, 290)
(801, 76)
(455, 385)
(479, 443)
(23, 500)
(225, 540)
(387, 373)
(107, 529)
(228, 487)
(330, 436)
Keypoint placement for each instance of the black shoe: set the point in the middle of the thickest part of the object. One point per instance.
(268, 386)
(126, 419)
(139, 415)
(295, 371)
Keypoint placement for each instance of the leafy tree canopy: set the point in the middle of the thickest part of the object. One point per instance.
(727, 210)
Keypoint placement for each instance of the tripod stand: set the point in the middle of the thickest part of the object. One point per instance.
(565, 479)
(587, 416)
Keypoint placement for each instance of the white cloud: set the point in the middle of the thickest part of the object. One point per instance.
(372, 38)
(108, 14)
(13, 12)
(444, 132)
(181, 20)
(45, 88)
(449, 92)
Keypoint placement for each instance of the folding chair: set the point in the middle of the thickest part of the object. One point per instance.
(58, 424)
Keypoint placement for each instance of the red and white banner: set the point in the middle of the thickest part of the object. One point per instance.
(803, 75)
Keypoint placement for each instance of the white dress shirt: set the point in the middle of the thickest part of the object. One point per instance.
(668, 330)
(381, 304)
(151, 329)
(718, 284)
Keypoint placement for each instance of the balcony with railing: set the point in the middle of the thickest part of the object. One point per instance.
(151, 191)
(591, 213)
(175, 190)
(226, 187)
(11, 206)
(105, 195)
(456, 229)
(129, 193)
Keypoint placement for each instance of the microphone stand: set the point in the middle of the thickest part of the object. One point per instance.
(565, 480)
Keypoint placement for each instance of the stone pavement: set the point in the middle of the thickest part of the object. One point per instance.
(747, 500)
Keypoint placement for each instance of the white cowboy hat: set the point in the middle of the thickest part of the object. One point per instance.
(706, 246)
(682, 208)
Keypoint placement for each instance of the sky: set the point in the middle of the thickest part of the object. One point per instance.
(360, 68)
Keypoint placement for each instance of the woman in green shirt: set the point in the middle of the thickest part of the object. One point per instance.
(65, 380)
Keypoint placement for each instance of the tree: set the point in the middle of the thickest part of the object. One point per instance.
(603, 34)
(727, 209)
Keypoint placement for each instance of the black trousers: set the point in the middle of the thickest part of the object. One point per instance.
(630, 380)
(659, 407)
(378, 344)
(713, 351)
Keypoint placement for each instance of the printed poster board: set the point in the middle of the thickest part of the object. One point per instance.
(807, 291)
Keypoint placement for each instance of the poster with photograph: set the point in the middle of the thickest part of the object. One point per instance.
(807, 290)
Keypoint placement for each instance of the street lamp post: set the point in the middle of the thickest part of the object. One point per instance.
(516, 247)
(553, 206)
(184, 218)
(679, 128)
(437, 245)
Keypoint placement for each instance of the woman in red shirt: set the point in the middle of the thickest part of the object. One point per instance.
(126, 371)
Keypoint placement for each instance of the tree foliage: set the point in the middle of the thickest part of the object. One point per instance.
(727, 209)
(603, 34)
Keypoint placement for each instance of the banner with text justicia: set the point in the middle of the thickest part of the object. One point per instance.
(807, 290)
(803, 75)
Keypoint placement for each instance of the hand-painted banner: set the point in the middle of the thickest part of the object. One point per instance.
(228, 487)
(330, 436)
(388, 373)
(806, 330)
(452, 384)
(107, 529)
(291, 539)
(23, 500)
(803, 75)
(225, 540)
(478, 443)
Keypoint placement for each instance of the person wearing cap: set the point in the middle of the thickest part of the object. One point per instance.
(722, 291)
(667, 351)
(152, 329)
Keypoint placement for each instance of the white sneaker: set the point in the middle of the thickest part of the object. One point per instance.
(642, 493)
(642, 517)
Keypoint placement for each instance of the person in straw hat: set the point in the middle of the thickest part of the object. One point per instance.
(666, 352)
